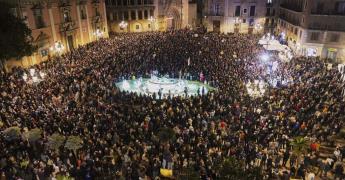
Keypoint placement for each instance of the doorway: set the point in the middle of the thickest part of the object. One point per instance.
(216, 26)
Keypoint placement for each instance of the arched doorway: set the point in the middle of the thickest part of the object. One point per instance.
(173, 19)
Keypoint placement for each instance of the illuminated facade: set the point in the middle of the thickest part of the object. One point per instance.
(150, 15)
(59, 26)
(314, 28)
(235, 16)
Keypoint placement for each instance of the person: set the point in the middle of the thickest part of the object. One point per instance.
(119, 131)
(339, 171)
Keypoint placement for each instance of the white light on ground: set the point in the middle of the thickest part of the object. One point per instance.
(165, 86)
(32, 72)
(125, 85)
(265, 57)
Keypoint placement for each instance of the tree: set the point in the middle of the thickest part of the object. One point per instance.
(231, 169)
(166, 134)
(12, 133)
(188, 173)
(300, 147)
(33, 135)
(74, 143)
(55, 141)
(15, 36)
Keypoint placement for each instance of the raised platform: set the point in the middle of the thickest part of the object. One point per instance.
(164, 87)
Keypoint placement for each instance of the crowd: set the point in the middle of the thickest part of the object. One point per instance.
(120, 130)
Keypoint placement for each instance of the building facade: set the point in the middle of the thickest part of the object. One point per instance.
(150, 15)
(59, 26)
(314, 27)
(240, 16)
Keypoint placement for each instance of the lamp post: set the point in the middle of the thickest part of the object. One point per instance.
(258, 27)
(152, 21)
(58, 47)
(123, 25)
(98, 33)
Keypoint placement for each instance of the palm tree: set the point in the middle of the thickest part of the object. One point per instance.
(166, 134)
(300, 146)
(188, 173)
(55, 141)
(33, 135)
(74, 143)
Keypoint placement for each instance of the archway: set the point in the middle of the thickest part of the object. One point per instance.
(173, 19)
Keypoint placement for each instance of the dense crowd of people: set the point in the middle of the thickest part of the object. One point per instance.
(120, 130)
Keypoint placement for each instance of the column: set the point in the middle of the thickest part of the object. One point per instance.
(80, 26)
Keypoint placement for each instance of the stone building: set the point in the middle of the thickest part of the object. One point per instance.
(314, 27)
(150, 15)
(59, 26)
(240, 16)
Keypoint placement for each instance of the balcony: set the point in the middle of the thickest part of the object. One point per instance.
(68, 26)
(293, 21)
(292, 7)
(327, 13)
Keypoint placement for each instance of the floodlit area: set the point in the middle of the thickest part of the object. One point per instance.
(163, 87)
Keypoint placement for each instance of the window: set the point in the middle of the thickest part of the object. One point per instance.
(340, 7)
(118, 3)
(145, 1)
(133, 15)
(38, 18)
(82, 12)
(140, 15)
(132, 3)
(319, 7)
(268, 11)
(151, 13)
(334, 38)
(314, 36)
(137, 27)
(244, 11)
(238, 11)
(146, 14)
(149, 26)
(125, 15)
(97, 12)
(252, 11)
(296, 31)
(269, 1)
(217, 10)
(139, 2)
(273, 12)
(67, 16)
(125, 2)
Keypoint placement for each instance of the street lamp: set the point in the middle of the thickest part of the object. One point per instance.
(258, 27)
(58, 48)
(98, 33)
(123, 25)
(152, 21)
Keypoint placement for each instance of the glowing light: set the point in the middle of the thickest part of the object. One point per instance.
(25, 76)
(98, 33)
(125, 85)
(32, 72)
(42, 74)
(123, 24)
(164, 86)
(265, 57)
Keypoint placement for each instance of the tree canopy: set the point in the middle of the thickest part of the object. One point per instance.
(15, 36)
